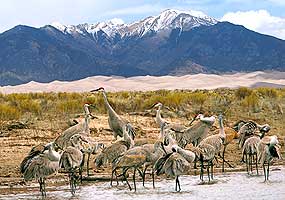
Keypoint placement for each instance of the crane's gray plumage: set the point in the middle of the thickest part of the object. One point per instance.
(213, 144)
(115, 121)
(137, 157)
(35, 151)
(175, 164)
(93, 148)
(205, 153)
(249, 129)
(238, 125)
(195, 133)
(112, 152)
(216, 140)
(268, 148)
(42, 165)
(249, 151)
(72, 159)
(63, 140)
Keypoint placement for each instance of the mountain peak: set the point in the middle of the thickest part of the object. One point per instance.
(193, 13)
(167, 20)
(58, 26)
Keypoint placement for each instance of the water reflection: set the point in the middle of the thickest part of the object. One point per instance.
(234, 186)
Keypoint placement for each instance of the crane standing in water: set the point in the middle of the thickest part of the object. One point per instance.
(42, 165)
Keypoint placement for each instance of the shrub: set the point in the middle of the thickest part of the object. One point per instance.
(243, 92)
(251, 101)
(8, 112)
(198, 98)
(268, 92)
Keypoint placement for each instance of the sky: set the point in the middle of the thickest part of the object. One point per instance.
(264, 16)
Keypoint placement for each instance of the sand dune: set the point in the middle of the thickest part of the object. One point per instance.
(145, 83)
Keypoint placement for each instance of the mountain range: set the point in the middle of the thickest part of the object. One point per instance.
(174, 42)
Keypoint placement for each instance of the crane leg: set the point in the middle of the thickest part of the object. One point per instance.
(144, 174)
(250, 160)
(88, 158)
(268, 170)
(256, 164)
(201, 172)
(246, 163)
(134, 178)
(264, 170)
(227, 162)
(223, 155)
(250, 164)
(125, 178)
(212, 170)
(152, 175)
(208, 171)
(177, 184)
(42, 187)
(112, 176)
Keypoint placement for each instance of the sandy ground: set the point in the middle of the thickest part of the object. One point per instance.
(145, 83)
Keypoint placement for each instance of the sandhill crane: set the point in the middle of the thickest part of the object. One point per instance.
(63, 140)
(195, 133)
(93, 148)
(249, 129)
(216, 140)
(112, 152)
(115, 121)
(72, 159)
(270, 151)
(156, 150)
(137, 157)
(205, 153)
(231, 134)
(162, 122)
(158, 119)
(249, 151)
(41, 166)
(175, 164)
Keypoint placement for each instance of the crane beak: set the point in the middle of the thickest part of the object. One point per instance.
(84, 139)
(98, 89)
(153, 106)
(168, 108)
(93, 117)
(92, 106)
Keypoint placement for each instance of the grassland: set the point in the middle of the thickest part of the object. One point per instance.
(43, 116)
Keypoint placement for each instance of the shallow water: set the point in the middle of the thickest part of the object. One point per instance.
(234, 186)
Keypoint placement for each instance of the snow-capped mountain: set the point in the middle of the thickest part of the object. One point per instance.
(173, 42)
(166, 21)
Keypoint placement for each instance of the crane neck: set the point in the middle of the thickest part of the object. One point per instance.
(53, 155)
(86, 124)
(158, 117)
(128, 138)
(162, 133)
(222, 130)
(262, 134)
(108, 106)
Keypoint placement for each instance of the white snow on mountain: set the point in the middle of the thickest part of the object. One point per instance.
(166, 21)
